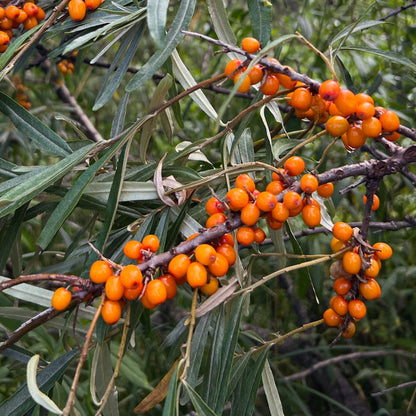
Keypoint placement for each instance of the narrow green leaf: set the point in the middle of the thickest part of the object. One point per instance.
(174, 36)
(270, 389)
(242, 150)
(237, 371)
(162, 229)
(129, 191)
(261, 19)
(169, 409)
(156, 20)
(201, 408)
(220, 21)
(41, 135)
(355, 27)
(120, 116)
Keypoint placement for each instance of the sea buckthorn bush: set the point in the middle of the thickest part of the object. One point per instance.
(197, 194)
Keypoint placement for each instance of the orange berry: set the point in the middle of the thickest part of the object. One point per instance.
(245, 181)
(12, 12)
(213, 206)
(178, 266)
(228, 252)
(131, 277)
(356, 136)
(371, 127)
(311, 214)
(351, 262)
(272, 223)
(259, 235)
(156, 292)
(339, 304)
(292, 200)
(342, 231)
(331, 318)
(2, 12)
(333, 110)
(394, 136)
(245, 83)
(245, 235)
(376, 202)
(22, 17)
(220, 266)
(250, 45)
(100, 271)
(280, 212)
(227, 239)
(266, 201)
(205, 254)
(61, 299)
(77, 9)
(329, 90)
(92, 4)
(231, 68)
(114, 289)
(146, 302)
(345, 102)
(256, 74)
(370, 290)
(363, 98)
(349, 331)
(196, 275)
(210, 287)
(373, 270)
(337, 245)
(30, 23)
(170, 284)
(111, 311)
(275, 187)
(270, 85)
(389, 121)
(215, 219)
(383, 251)
(357, 308)
(342, 286)
(151, 242)
(132, 249)
(301, 99)
(6, 23)
(250, 214)
(294, 166)
(365, 110)
(326, 190)
(337, 126)
(31, 9)
(285, 80)
(236, 198)
(131, 294)
(309, 183)
(4, 38)
(41, 14)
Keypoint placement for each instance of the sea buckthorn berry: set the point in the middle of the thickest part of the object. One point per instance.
(6, 23)
(342, 286)
(61, 299)
(285, 80)
(339, 304)
(392, 137)
(245, 235)
(280, 212)
(22, 17)
(100, 271)
(301, 99)
(370, 290)
(389, 121)
(151, 242)
(228, 252)
(245, 181)
(146, 302)
(205, 254)
(259, 235)
(362, 97)
(331, 318)
(349, 331)
(196, 275)
(311, 215)
(4, 38)
(156, 292)
(132, 294)
(92, 4)
(342, 231)
(272, 223)
(131, 277)
(325, 190)
(294, 166)
(250, 214)
(346, 144)
(256, 74)
(337, 245)
(132, 249)
(357, 308)
(215, 219)
(365, 110)
(178, 266)
(309, 183)
(220, 266)
(31, 9)
(41, 14)
(111, 311)
(275, 187)
(292, 200)
(30, 23)
(345, 102)
(333, 110)
(245, 83)
(77, 9)
(371, 127)
(210, 287)
(237, 198)
(232, 67)
(213, 206)
(383, 251)
(356, 136)
(376, 202)
(114, 289)
(270, 85)
(266, 201)
(2, 12)
(170, 284)
(351, 262)
(337, 126)
(329, 90)
(227, 239)
(276, 175)
(12, 12)
(250, 45)
(373, 270)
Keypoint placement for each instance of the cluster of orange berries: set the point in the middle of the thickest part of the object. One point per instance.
(77, 9)
(11, 17)
(21, 93)
(354, 278)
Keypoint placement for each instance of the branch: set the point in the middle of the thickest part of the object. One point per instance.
(399, 10)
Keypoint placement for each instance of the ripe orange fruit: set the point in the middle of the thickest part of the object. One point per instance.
(61, 299)
(196, 275)
(150, 242)
(309, 183)
(285, 80)
(111, 311)
(245, 181)
(245, 235)
(227, 239)
(329, 90)
(215, 219)
(232, 67)
(311, 215)
(389, 121)
(220, 266)
(131, 277)
(365, 110)
(100, 271)
(131, 294)
(259, 235)
(250, 45)
(342, 231)
(301, 99)
(250, 214)
(349, 331)
(273, 223)
(114, 289)
(4, 38)
(370, 289)
(275, 187)
(376, 202)
(292, 200)
(132, 249)
(374, 268)
(170, 284)
(345, 102)
(156, 292)
(210, 287)
(280, 212)
(31, 9)
(351, 262)
(355, 136)
(331, 318)
(146, 302)
(363, 98)
(383, 251)
(92, 4)
(12, 12)
(270, 85)
(213, 206)
(357, 308)
(371, 127)
(326, 190)
(178, 266)
(337, 126)
(339, 304)
(30, 23)
(294, 166)
(256, 74)
(337, 245)
(245, 83)
(342, 286)
(77, 9)
(266, 201)
(228, 252)
(237, 198)
(205, 254)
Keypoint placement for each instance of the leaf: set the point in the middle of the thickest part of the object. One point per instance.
(169, 409)
(129, 191)
(388, 55)
(156, 20)
(41, 135)
(21, 402)
(270, 389)
(120, 116)
(201, 408)
(174, 36)
(261, 19)
(220, 21)
(242, 150)
(355, 27)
